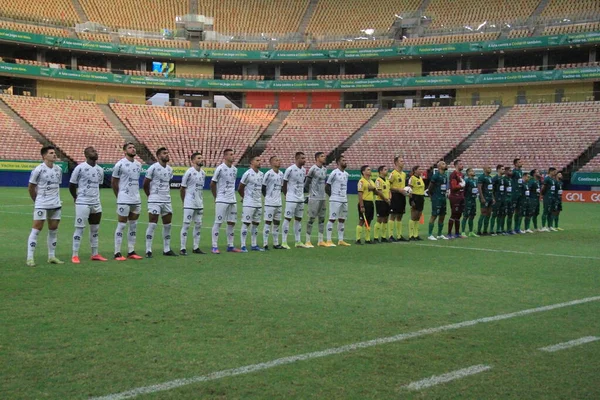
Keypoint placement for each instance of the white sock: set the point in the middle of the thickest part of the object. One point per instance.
(166, 237)
(197, 231)
(341, 231)
(52, 238)
(286, 229)
(131, 237)
(329, 230)
(150, 236)
(266, 232)
(244, 235)
(230, 235)
(32, 243)
(309, 227)
(119, 236)
(254, 237)
(297, 230)
(215, 234)
(275, 235)
(77, 240)
(183, 235)
(321, 230)
(94, 238)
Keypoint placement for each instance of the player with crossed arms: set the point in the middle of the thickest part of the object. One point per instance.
(250, 188)
(271, 189)
(191, 192)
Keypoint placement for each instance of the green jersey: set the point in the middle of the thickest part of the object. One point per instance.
(471, 190)
(497, 181)
(508, 188)
(534, 188)
(440, 186)
(517, 182)
(487, 188)
(558, 191)
(550, 188)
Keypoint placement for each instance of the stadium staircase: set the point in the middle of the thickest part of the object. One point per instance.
(357, 135)
(423, 6)
(539, 9)
(310, 10)
(142, 150)
(583, 159)
(34, 132)
(464, 145)
(261, 144)
(79, 10)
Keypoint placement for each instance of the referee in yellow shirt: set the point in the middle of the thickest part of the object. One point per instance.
(366, 209)
(398, 205)
(382, 205)
(417, 202)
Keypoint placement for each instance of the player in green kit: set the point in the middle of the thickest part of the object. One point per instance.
(534, 198)
(438, 187)
(517, 194)
(509, 208)
(497, 210)
(524, 203)
(548, 196)
(558, 201)
(471, 195)
(486, 199)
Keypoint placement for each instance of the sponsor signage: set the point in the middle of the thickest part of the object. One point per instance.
(27, 166)
(572, 196)
(586, 178)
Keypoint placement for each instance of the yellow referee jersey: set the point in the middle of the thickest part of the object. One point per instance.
(397, 180)
(366, 188)
(417, 184)
(384, 185)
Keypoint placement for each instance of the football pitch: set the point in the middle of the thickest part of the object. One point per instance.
(479, 318)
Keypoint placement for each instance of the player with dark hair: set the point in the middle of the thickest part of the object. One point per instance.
(417, 202)
(382, 205)
(438, 190)
(397, 181)
(222, 187)
(509, 206)
(271, 189)
(534, 197)
(250, 191)
(293, 189)
(191, 192)
(498, 207)
(517, 194)
(314, 185)
(366, 209)
(337, 190)
(457, 199)
(470, 209)
(558, 201)
(485, 188)
(524, 205)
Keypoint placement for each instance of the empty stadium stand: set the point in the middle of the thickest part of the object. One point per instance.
(173, 44)
(70, 125)
(48, 11)
(311, 131)
(94, 37)
(292, 46)
(543, 135)
(571, 28)
(422, 136)
(472, 37)
(37, 29)
(184, 130)
(16, 143)
(592, 166)
(355, 44)
(566, 9)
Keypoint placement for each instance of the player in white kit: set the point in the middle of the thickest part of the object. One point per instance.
(157, 187)
(191, 191)
(222, 187)
(44, 190)
(84, 186)
(250, 188)
(315, 187)
(271, 189)
(126, 187)
(337, 190)
(293, 189)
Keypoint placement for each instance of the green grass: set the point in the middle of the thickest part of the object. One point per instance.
(75, 331)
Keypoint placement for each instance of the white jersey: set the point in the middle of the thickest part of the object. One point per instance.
(88, 180)
(160, 185)
(317, 184)
(338, 180)
(252, 192)
(224, 177)
(128, 173)
(48, 183)
(193, 181)
(294, 176)
(273, 181)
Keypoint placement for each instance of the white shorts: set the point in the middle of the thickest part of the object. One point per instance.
(41, 214)
(272, 213)
(251, 214)
(225, 212)
(294, 210)
(123, 210)
(83, 212)
(193, 215)
(160, 208)
(317, 209)
(338, 210)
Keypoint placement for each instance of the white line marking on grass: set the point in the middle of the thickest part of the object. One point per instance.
(450, 376)
(571, 343)
(507, 251)
(335, 350)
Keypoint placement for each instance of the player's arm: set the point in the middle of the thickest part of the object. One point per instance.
(328, 189)
(361, 202)
(284, 188)
(114, 183)
(454, 183)
(241, 189)
(545, 188)
(182, 190)
(73, 190)
(480, 190)
(213, 188)
(32, 191)
(147, 186)
(307, 182)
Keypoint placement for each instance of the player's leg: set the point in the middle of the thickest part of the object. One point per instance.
(517, 208)
(231, 220)
(481, 220)
(465, 218)
(441, 218)
(94, 222)
(276, 225)
(188, 215)
(268, 218)
(536, 213)
(342, 215)
(197, 232)
(132, 218)
(153, 213)
(321, 218)
(254, 232)
(220, 218)
(312, 215)
(334, 209)
(298, 214)
(289, 213)
(435, 210)
(53, 222)
(359, 226)
(379, 221)
(167, 217)
(123, 212)
(246, 220)
(453, 206)
(82, 214)
(39, 216)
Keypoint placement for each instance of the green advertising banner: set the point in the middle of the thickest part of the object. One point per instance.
(586, 178)
(26, 166)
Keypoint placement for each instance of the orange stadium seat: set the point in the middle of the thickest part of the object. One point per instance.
(292, 46)
(94, 37)
(422, 136)
(15, 142)
(543, 135)
(593, 165)
(49, 11)
(314, 130)
(173, 44)
(568, 8)
(355, 44)
(40, 30)
(472, 37)
(184, 130)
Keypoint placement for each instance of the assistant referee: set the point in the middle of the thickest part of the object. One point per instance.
(417, 202)
(366, 209)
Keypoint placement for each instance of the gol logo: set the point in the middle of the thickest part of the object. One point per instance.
(581, 197)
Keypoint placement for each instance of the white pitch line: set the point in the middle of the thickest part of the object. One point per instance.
(506, 251)
(160, 387)
(571, 343)
(450, 376)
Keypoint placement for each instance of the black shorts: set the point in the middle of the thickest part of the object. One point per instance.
(457, 205)
(398, 205)
(383, 208)
(417, 201)
(369, 211)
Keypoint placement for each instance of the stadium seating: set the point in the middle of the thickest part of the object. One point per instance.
(577, 65)
(243, 77)
(145, 15)
(543, 135)
(70, 125)
(93, 69)
(574, 28)
(173, 44)
(293, 77)
(292, 46)
(184, 130)
(593, 165)
(338, 17)
(40, 30)
(343, 76)
(48, 11)
(422, 136)
(94, 37)
(311, 131)
(396, 75)
(456, 72)
(355, 44)
(194, 76)
(518, 33)
(473, 37)
(518, 69)
(39, 63)
(15, 142)
(233, 46)
(566, 9)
